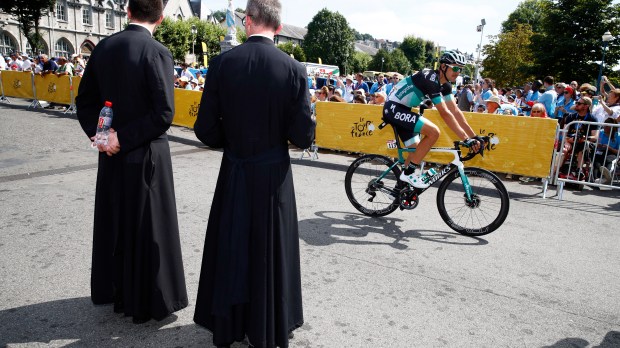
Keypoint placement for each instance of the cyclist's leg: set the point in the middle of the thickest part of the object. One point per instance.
(430, 134)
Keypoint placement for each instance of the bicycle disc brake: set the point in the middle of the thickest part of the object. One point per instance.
(408, 199)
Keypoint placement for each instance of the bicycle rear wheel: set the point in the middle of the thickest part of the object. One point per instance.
(369, 195)
(484, 213)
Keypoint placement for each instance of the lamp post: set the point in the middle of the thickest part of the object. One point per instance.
(479, 28)
(606, 38)
(194, 32)
(382, 60)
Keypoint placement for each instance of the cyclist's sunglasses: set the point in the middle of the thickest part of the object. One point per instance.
(455, 68)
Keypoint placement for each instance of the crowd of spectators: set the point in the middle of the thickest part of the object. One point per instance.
(43, 65)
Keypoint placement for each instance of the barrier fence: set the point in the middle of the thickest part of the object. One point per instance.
(586, 159)
(519, 145)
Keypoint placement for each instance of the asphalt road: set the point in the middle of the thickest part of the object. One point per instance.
(549, 277)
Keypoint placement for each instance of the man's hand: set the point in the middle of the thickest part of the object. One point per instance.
(473, 144)
(113, 146)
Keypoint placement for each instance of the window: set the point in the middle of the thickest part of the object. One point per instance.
(109, 19)
(61, 10)
(63, 48)
(87, 15)
(7, 44)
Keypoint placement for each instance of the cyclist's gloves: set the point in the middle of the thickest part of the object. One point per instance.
(469, 142)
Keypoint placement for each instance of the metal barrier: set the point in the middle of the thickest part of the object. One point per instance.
(26, 85)
(583, 157)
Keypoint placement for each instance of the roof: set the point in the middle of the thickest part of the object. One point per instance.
(365, 49)
(293, 32)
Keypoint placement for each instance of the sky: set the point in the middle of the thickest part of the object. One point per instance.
(448, 23)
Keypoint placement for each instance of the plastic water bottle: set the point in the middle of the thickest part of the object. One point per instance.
(104, 124)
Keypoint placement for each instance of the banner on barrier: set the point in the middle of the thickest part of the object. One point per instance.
(75, 86)
(186, 105)
(519, 145)
(17, 84)
(53, 88)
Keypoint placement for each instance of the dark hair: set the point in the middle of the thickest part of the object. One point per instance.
(146, 10)
(265, 12)
(549, 80)
(359, 98)
(335, 98)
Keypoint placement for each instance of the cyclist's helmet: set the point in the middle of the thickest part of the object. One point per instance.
(453, 58)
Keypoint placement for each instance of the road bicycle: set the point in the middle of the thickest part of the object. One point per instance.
(472, 201)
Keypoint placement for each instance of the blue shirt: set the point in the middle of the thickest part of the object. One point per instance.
(567, 107)
(549, 99)
(603, 139)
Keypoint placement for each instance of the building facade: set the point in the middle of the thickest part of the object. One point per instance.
(73, 27)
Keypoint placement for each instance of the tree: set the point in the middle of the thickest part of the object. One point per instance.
(415, 50)
(28, 14)
(330, 38)
(381, 61)
(570, 46)
(430, 54)
(530, 12)
(399, 62)
(509, 57)
(295, 50)
(239, 9)
(176, 35)
(359, 62)
(219, 15)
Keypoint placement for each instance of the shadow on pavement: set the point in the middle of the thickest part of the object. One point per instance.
(611, 340)
(76, 322)
(331, 227)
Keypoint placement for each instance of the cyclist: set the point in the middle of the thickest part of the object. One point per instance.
(410, 92)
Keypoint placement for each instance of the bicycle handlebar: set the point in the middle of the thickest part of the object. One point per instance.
(482, 139)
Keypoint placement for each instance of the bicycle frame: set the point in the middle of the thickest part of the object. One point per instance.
(455, 164)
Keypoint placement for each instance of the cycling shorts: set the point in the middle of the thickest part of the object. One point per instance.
(407, 123)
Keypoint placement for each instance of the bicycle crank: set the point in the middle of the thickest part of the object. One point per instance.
(408, 199)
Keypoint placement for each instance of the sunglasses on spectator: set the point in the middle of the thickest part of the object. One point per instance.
(566, 92)
(455, 68)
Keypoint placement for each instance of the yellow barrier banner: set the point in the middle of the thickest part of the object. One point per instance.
(17, 84)
(186, 105)
(519, 145)
(53, 88)
(75, 86)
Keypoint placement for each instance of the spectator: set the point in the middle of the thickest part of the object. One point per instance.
(3, 64)
(578, 133)
(538, 110)
(64, 67)
(607, 150)
(379, 98)
(466, 99)
(394, 80)
(184, 83)
(565, 103)
(323, 93)
(481, 109)
(378, 86)
(78, 64)
(49, 66)
(550, 96)
(200, 78)
(26, 63)
(611, 106)
(495, 106)
(360, 82)
(348, 89)
(574, 85)
(358, 98)
(519, 98)
(185, 72)
(336, 98)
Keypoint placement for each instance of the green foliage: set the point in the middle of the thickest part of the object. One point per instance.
(415, 50)
(177, 36)
(359, 63)
(239, 9)
(392, 61)
(219, 15)
(28, 14)
(430, 55)
(528, 12)
(295, 50)
(330, 38)
(241, 36)
(509, 57)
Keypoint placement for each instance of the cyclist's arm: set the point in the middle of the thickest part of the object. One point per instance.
(460, 118)
(451, 120)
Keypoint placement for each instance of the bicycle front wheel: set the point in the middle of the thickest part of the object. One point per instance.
(484, 213)
(367, 191)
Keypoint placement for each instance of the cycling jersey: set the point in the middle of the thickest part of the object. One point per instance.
(411, 91)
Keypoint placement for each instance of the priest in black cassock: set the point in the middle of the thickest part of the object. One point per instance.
(136, 262)
(255, 101)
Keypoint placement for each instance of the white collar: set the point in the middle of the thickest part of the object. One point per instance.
(270, 38)
(143, 26)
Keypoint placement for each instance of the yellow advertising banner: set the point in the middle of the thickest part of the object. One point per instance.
(17, 84)
(75, 86)
(518, 145)
(53, 88)
(186, 105)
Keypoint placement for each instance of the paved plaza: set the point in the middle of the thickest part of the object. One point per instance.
(549, 277)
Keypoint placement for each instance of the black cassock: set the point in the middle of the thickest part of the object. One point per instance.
(137, 263)
(255, 100)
